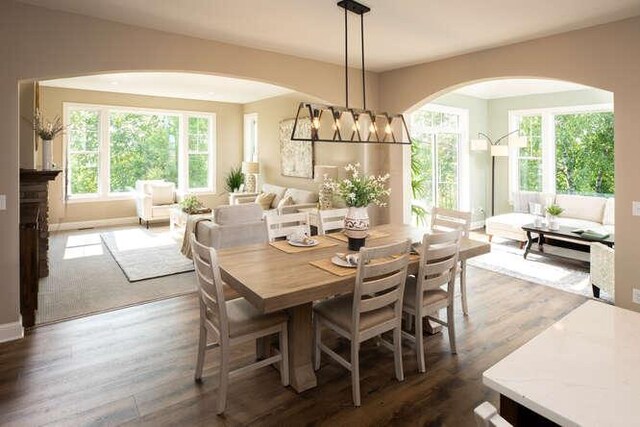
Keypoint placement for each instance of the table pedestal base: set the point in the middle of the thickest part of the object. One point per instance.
(301, 372)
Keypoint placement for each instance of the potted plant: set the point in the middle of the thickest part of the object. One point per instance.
(359, 191)
(234, 179)
(553, 212)
(191, 204)
(47, 131)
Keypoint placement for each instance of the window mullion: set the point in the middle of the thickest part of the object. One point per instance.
(183, 154)
(548, 153)
(104, 154)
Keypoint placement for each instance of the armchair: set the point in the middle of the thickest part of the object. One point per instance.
(154, 200)
(602, 269)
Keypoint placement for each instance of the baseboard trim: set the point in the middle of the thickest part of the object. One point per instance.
(11, 331)
(61, 226)
(475, 225)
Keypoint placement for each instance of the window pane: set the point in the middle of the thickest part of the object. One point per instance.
(198, 171)
(198, 136)
(584, 153)
(447, 146)
(84, 173)
(143, 146)
(530, 174)
(531, 127)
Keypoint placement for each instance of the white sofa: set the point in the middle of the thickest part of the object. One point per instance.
(154, 200)
(579, 212)
(301, 198)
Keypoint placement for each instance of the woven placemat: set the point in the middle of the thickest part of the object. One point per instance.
(326, 265)
(284, 246)
(373, 234)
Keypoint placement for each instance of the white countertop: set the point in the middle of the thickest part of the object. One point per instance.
(582, 371)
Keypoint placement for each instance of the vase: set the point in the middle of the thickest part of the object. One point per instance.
(356, 226)
(47, 154)
(552, 222)
(250, 182)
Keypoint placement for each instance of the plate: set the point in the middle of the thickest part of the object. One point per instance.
(342, 263)
(313, 242)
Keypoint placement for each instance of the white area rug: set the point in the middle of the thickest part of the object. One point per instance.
(143, 254)
(507, 258)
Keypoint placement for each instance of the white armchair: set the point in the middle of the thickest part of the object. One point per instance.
(602, 269)
(154, 200)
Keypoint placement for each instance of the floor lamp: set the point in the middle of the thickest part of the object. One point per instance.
(497, 150)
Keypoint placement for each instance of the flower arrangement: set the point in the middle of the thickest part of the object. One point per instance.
(359, 190)
(45, 129)
(191, 204)
(554, 210)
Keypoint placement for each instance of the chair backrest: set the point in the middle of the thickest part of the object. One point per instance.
(279, 226)
(447, 219)
(331, 219)
(486, 415)
(213, 310)
(438, 262)
(380, 279)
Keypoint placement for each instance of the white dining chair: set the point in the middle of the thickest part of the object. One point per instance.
(486, 415)
(279, 226)
(423, 294)
(447, 220)
(331, 219)
(230, 323)
(374, 307)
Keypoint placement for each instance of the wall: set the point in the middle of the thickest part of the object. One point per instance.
(37, 43)
(228, 153)
(270, 113)
(600, 56)
(499, 125)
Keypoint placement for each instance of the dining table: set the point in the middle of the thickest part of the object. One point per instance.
(272, 278)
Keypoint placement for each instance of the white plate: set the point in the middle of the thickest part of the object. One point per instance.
(342, 263)
(314, 242)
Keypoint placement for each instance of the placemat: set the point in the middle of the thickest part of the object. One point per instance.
(326, 265)
(373, 234)
(284, 246)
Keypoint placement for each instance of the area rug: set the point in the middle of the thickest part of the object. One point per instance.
(144, 254)
(507, 258)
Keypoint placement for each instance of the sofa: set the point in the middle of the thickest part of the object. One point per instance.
(301, 199)
(233, 225)
(154, 200)
(579, 212)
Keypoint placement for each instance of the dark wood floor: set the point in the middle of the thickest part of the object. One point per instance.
(136, 366)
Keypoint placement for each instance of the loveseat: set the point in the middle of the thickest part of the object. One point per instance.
(301, 199)
(580, 212)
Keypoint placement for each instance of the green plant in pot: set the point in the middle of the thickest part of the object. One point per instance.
(234, 179)
(191, 204)
(553, 212)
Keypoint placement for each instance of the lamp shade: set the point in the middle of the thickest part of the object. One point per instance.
(500, 151)
(320, 171)
(250, 167)
(479, 145)
(517, 141)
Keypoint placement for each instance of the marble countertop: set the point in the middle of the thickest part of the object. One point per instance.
(582, 371)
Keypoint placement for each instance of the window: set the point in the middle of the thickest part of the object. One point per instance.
(110, 148)
(569, 151)
(439, 158)
(251, 137)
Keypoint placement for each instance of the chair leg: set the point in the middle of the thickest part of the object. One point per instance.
(139, 221)
(147, 224)
(355, 372)
(451, 330)
(419, 343)
(463, 287)
(284, 351)
(317, 339)
(202, 345)
(397, 352)
(224, 378)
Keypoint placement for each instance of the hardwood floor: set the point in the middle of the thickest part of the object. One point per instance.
(135, 366)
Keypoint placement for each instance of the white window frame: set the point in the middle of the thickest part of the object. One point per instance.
(463, 153)
(104, 193)
(548, 142)
(251, 137)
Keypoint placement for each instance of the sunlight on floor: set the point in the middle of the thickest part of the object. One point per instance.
(133, 239)
(83, 240)
(83, 251)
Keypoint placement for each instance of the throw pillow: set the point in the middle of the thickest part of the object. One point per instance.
(286, 201)
(265, 200)
(162, 194)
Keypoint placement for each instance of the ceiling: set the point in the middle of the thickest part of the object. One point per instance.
(494, 89)
(174, 85)
(397, 32)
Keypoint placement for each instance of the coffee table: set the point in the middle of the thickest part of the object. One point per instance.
(563, 233)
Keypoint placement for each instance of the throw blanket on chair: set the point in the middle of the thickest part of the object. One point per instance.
(191, 227)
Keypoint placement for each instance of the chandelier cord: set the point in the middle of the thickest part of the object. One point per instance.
(364, 89)
(346, 60)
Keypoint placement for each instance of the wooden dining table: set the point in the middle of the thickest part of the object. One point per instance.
(274, 280)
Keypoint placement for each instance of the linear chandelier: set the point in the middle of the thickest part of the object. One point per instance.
(329, 123)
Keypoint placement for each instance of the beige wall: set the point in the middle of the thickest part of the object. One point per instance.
(37, 43)
(603, 56)
(228, 152)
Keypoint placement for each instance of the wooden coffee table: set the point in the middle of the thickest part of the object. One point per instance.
(558, 252)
